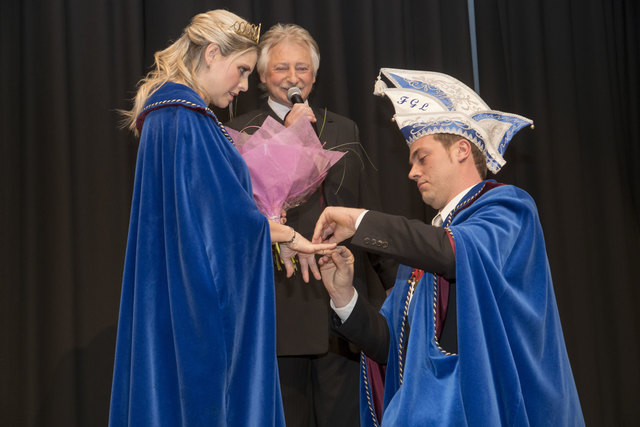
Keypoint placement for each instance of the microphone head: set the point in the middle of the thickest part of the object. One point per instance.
(294, 95)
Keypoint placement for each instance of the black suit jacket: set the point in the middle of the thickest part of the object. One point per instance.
(410, 242)
(302, 310)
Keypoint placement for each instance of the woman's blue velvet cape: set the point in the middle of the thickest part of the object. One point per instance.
(196, 343)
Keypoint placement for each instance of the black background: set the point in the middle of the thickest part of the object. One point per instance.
(66, 169)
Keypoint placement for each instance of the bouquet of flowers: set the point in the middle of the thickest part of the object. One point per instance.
(286, 164)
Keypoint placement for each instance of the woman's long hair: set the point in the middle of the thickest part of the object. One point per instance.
(183, 59)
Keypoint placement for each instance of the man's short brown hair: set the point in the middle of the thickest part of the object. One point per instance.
(479, 159)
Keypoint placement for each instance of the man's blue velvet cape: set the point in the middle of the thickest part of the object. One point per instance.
(196, 340)
(512, 367)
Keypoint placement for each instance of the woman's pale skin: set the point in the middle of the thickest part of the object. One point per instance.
(223, 78)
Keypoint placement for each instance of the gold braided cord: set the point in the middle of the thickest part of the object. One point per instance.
(413, 281)
(245, 29)
(365, 377)
(191, 104)
(436, 289)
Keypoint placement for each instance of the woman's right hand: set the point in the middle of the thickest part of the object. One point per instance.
(305, 251)
(303, 246)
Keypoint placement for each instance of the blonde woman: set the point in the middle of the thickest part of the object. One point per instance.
(196, 331)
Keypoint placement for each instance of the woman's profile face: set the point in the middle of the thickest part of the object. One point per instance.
(226, 76)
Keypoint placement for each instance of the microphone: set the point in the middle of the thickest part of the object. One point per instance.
(294, 95)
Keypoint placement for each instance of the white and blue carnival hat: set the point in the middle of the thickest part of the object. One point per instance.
(427, 102)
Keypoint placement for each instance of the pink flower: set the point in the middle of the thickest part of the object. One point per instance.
(286, 164)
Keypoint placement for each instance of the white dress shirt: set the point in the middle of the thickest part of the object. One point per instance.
(280, 110)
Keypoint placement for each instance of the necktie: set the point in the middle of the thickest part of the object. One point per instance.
(437, 221)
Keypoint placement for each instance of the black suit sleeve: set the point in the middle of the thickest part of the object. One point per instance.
(366, 328)
(410, 242)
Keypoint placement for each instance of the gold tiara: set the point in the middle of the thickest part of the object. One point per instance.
(245, 29)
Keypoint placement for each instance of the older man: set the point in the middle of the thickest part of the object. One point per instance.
(318, 370)
(470, 333)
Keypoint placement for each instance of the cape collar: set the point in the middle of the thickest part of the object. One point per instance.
(172, 94)
(472, 195)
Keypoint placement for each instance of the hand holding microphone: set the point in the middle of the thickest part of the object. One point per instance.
(294, 95)
(299, 108)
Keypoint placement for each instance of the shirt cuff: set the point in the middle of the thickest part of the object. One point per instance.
(360, 218)
(344, 312)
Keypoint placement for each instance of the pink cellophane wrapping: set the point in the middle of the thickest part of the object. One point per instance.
(286, 164)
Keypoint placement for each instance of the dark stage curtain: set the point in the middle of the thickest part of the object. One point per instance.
(67, 169)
